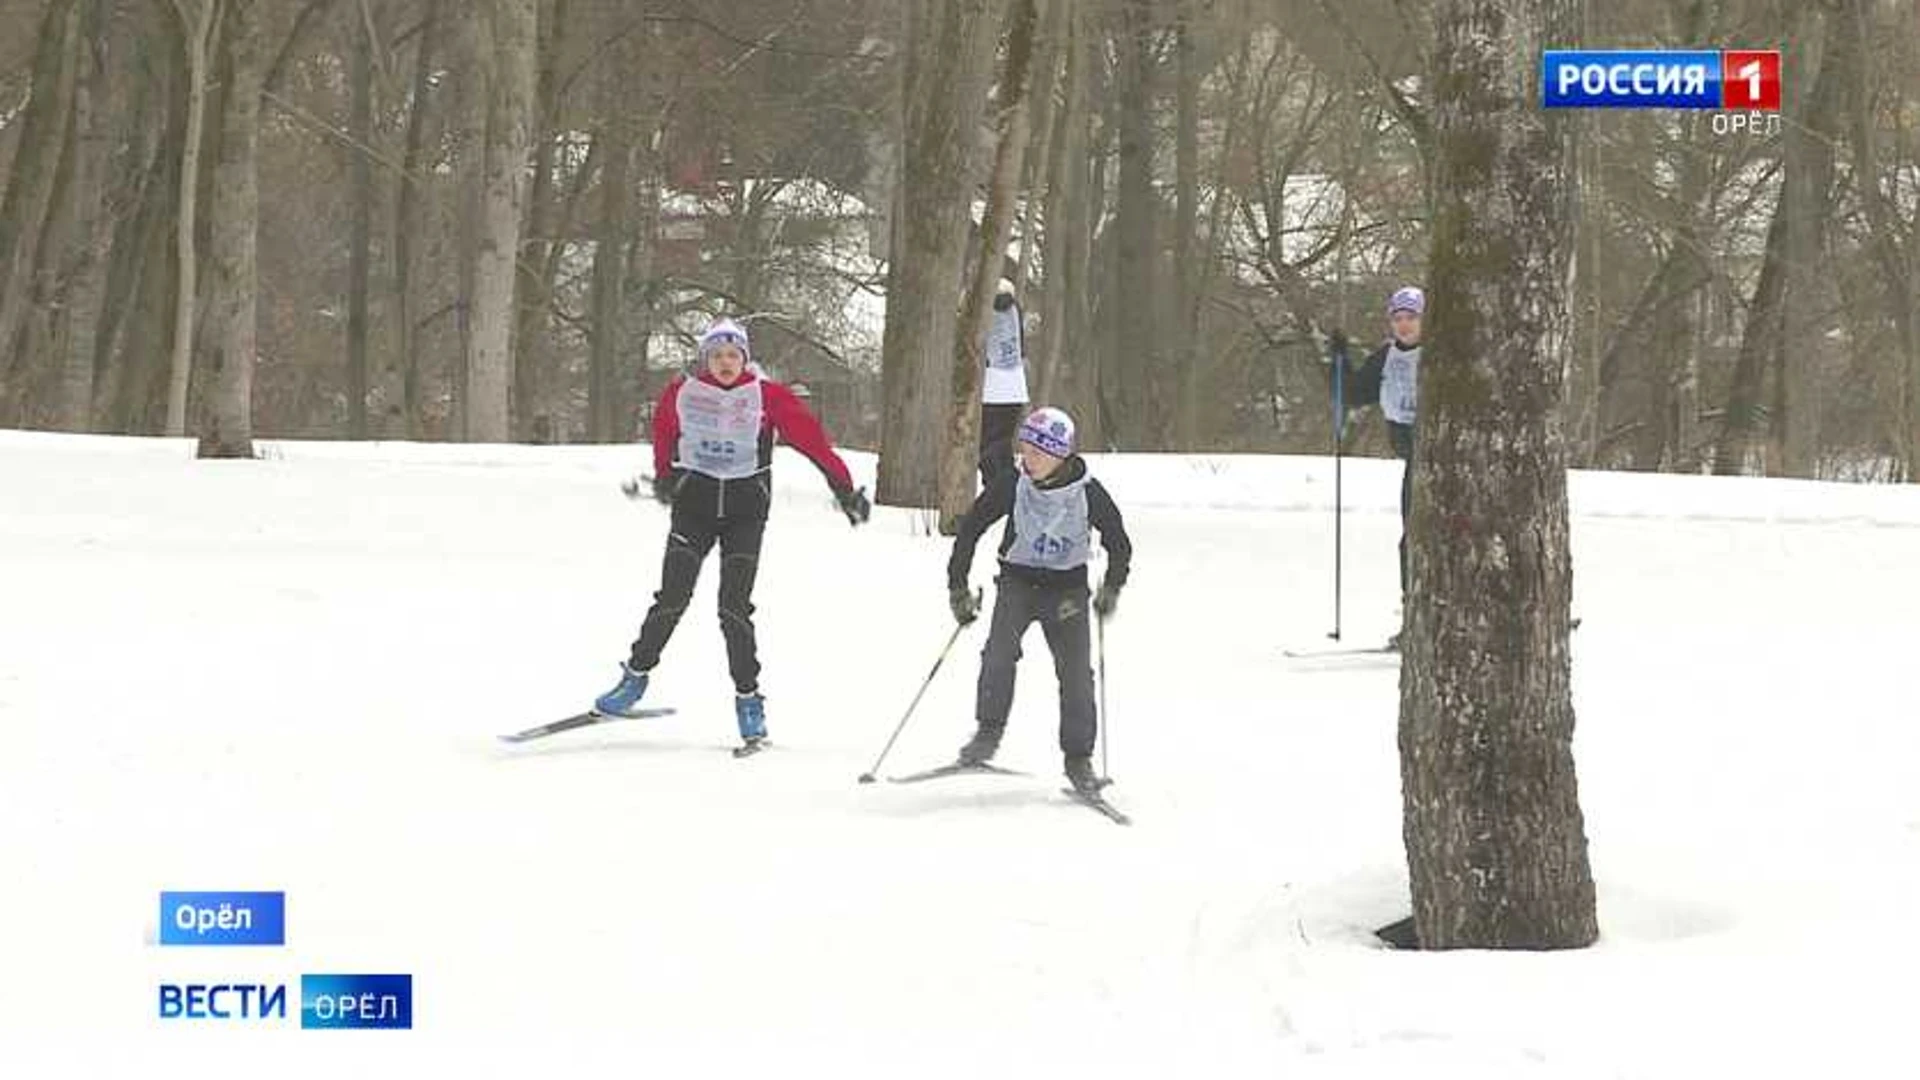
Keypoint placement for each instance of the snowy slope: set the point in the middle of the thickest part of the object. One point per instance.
(288, 674)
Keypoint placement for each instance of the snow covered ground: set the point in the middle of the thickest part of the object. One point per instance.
(288, 675)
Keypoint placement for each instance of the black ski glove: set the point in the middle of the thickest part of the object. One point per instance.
(854, 504)
(664, 488)
(965, 605)
(1106, 599)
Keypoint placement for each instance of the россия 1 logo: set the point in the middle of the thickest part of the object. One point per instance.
(1660, 79)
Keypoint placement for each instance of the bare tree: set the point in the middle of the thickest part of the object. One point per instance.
(996, 225)
(91, 218)
(949, 54)
(30, 191)
(199, 23)
(1496, 844)
(231, 292)
(360, 258)
(512, 41)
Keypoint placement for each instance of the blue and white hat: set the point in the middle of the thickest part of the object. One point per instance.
(1408, 298)
(1048, 430)
(724, 332)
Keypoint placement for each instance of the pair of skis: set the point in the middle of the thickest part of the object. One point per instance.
(1092, 800)
(591, 718)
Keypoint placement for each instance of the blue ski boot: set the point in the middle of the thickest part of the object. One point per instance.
(624, 698)
(751, 712)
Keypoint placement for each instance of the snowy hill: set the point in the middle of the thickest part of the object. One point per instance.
(288, 675)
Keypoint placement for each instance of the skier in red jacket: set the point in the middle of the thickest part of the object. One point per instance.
(713, 436)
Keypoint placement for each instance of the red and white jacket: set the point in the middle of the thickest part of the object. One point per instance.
(710, 435)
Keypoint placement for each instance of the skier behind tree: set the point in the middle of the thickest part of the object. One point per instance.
(1053, 506)
(1390, 377)
(1003, 385)
(713, 436)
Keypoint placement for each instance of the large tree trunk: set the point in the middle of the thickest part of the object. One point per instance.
(1812, 131)
(1038, 166)
(30, 191)
(509, 121)
(199, 22)
(1740, 423)
(95, 121)
(1066, 184)
(1133, 362)
(615, 150)
(407, 224)
(544, 240)
(1496, 844)
(949, 57)
(475, 64)
(1896, 269)
(231, 307)
(360, 243)
(1186, 223)
(962, 454)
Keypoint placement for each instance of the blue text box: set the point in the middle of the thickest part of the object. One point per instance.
(223, 918)
(346, 1002)
(1630, 79)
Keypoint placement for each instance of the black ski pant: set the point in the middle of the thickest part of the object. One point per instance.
(695, 532)
(997, 426)
(1402, 438)
(1062, 613)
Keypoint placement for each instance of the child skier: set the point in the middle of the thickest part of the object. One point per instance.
(1053, 506)
(713, 434)
(1390, 377)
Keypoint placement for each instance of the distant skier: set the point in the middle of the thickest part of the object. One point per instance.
(1390, 377)
(1053, 505)
(1003, 385)
(713, 434)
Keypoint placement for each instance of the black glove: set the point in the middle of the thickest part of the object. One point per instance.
(1336, 347)
(1106, 599)
(965, 605)
(855, 505)
(664, 488)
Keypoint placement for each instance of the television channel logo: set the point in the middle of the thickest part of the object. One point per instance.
(1660, 79)
(344, 1002)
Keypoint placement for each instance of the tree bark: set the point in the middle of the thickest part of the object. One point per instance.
(231, 305)
(1896, 267)
(1740, 423)
(1495, 839)
(407, 224)
(360, 256)
(509, 122)
(962, 455)
(616, 139)
(31, 191)
(1066, 183)
(1133, 362)
(1812, 130)
(94, 125)
(950, 55)
(1186, 224)
(199, 23)
(543, 238)
(476, 62)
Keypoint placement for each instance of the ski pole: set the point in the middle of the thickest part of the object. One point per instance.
(868, 776)
(1100, 666)
(1339, 423)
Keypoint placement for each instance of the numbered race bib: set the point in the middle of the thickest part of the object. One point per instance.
(1400, 384)
(1003, 341)
(720, 429)
(1051, 530)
